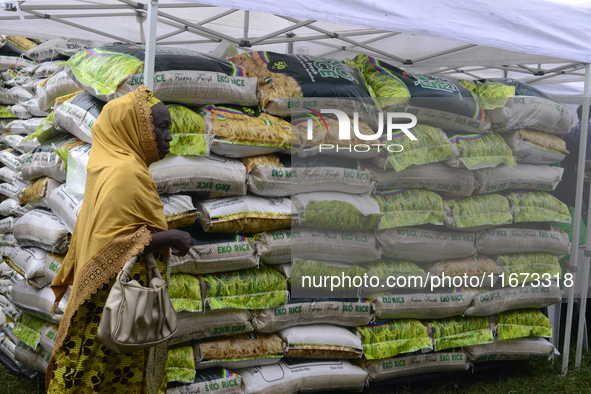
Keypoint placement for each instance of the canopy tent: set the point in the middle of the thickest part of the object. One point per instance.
(535, 41)
(525, 40)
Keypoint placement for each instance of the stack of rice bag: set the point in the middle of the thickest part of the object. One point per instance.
(275, 201)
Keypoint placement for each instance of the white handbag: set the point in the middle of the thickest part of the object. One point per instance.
(134, 317)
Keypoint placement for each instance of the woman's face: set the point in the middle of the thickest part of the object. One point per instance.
(161, 120)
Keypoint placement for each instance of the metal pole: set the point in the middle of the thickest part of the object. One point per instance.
(574, 255)
(151, 44)
(246, 25)
(585, 273)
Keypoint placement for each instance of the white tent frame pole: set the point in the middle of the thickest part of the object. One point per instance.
(281, 31)
(171, 34)
(246, 25)
(134, 5)
(200, 28)
(453, 50)
(66, 16)
(587, 260)
(203, 22)
(556, 73)
(150, 55)
(189, 29)
(352, 42)
(185, 42)
(574, 254)
(467, 73)
(72, 24)
(346, 48)
(321, 37)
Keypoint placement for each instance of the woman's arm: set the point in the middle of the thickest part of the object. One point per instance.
(176, 239)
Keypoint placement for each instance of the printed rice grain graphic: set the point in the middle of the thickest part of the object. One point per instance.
(253, 288)
(392, 337)
(460, 331)
(521, 323)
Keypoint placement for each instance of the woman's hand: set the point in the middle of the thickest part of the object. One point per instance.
(175, 239)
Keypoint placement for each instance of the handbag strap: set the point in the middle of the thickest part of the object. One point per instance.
(128, 266)
(152, 270)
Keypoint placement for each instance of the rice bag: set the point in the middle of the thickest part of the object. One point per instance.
(476, 212)
(181, 75)
(481, 151)
(535, 147)
(388, 338)
(283, 175)
(247, 214)
(524, 176)
(253, 288)
(409, 207)
(513, 105)
(336, 211)
(531, 206)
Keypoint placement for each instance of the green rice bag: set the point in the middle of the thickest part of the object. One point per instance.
(253, 288)
(481, 151)
(539, 266)
(409, 207)
(318, 270)
(460, 331)
(440, 101)
(5, 113)
(494, 94)
(477, 211)
(431, 145)
(532, 206)
(513, 105)
(180, 365)
(522, 323)
(46, 130)
(184, 291)
(389, 338)
(336, 210)
(187, 131)
(28, 329)
(386, 267)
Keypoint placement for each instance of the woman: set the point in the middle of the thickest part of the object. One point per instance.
(121, 216)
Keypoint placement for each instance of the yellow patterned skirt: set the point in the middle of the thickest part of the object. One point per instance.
(83, 365)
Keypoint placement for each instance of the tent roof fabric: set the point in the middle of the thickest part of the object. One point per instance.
(530, 26)
(535, 41)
